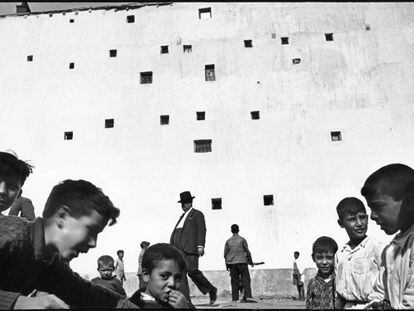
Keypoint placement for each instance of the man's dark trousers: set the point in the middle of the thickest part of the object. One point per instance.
(237, 271)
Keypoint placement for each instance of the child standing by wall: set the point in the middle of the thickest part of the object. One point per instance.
(119, 266)
(144, 245)
(106, 279)
(321, 288)
(297, 275)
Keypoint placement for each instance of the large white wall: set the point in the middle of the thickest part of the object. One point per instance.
(361, 84)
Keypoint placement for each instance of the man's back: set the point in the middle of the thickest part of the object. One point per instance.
(236, 250)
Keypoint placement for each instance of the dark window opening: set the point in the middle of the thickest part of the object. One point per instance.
(273, 36)
(329, 36)
(201, 115)
(255, 115)
(204, 13)
(187, 48)
(130, 18)
(164, 119)
(202, 145)
(248, 43)
(285, 40)
(109, 123)
(112, 53)
(268, 199)
(367, 27)
(50, 14)
(216, 203)
(71, 21)
(68, 136)
(71, 65)
(146, 77)
(164, 49)
(29, 58)
(296, 60)
(210, 74)
(336, 136)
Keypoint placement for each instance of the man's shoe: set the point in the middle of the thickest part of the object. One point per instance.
(251, 300)
(213, 295)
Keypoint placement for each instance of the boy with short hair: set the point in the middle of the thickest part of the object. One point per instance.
(357, 263)
(321, 288)
(297, 275)
(144, 245)
(106, 279)
(119, 266)
(389, 193)
(35, 255)
(163, 266)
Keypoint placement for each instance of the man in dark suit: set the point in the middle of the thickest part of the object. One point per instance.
(189, 236)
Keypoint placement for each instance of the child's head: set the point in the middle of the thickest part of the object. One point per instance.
(389, 192)
(323, 254)
(352, 216)
(75, 213)
(296, 254)
(13, 174)
(144, 244)
(106, 267)
(162, 268)
(120, 253)
(234, 228)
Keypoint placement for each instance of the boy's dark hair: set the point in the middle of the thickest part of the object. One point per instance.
(324, 244)
(105, 260)
(395, 180)
(81, 197)
(234, 228)
(144, 243)
(162, 251)
(10, 165)
(350, 206)
(119, 251)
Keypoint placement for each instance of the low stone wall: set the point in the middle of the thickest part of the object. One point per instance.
(264, 282)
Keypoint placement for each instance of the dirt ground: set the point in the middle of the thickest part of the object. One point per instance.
(202, 302)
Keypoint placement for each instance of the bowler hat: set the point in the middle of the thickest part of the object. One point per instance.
(185, 197)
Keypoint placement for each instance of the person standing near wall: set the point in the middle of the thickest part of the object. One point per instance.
(297, 275)
(144, 245)
(24, 207)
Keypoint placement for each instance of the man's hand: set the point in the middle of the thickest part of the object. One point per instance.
(200, 250)
(177, 300)
(252, 264)
(42, 302)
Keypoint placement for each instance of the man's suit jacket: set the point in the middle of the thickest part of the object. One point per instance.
(193, 232)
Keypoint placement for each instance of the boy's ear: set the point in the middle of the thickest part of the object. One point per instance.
(145, 275)
(62, 213)
(406, 216)
(340, 223)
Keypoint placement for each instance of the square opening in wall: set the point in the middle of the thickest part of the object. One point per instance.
(164, 119)
(68, 135)
(146, 77)
(29, 58)
(187, 48)
(164, 49)
(367, 27)
(109, 123)
(202, 145)
(285, 40)
(296, 61)
(210, 73)
(273, 36)
(201, 115)
(130, 18)
(71, 21)
(268, 199)
(112, 53)
(248, 43)
(255, 115)
(329, 36)
(204, 13)
(71, 65)
(336, 136)
(216, 203)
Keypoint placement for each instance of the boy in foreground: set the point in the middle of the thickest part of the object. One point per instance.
(35, 255)
(321, 288)
(389, 192)
(106, 279)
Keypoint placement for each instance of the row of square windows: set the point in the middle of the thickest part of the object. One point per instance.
(216, 203)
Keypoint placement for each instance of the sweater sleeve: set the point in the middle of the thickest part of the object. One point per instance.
(7, 299)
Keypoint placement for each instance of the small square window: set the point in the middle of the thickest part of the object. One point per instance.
(329, 36)
(336, 136)
(68, 136)
(109, 123)
(285, 40)
(202, 145)
(296, 61)
(187, 48)
(50, 14)
(216, 203)
(204, 13)
(146, 77)
(164, 49)
(210, 73)
(273, 36)
(255, 115)
(367, 27)
(29, 58)
(112, 53)
(268, 199)
(71, 21)
(164, 119)
(71, 65)
(201, 115)
(248, 44)
(130, 18)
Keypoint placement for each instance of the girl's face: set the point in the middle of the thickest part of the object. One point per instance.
(166, 276)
